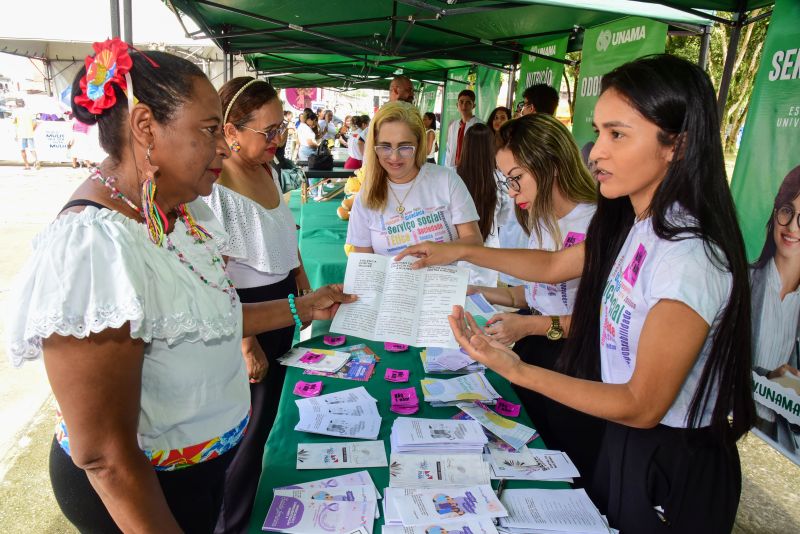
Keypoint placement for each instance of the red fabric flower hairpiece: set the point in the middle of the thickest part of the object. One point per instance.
(110, 64)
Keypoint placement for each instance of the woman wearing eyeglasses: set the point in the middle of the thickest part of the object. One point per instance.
(264, 264)
(775, 278)
(554, 199)
(405, 200)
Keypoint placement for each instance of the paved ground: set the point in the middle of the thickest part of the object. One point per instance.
(771, 487)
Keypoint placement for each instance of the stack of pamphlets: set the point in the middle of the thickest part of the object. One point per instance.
(450, 392)
(470, 526)
(324, 360)
(341, 455)
(341, 504)
(437, 470)
(515, 434)
(532, 464)
(551, 511)
(359, 367)
(448, 362)
(414, 435)
(428, 506)
(349, 414)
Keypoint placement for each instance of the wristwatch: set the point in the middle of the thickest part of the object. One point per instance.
(555, 332)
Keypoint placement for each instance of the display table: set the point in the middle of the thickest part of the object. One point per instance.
(281, 448)
(321, 241)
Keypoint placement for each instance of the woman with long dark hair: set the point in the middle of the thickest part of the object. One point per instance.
(667, 360)
(429, 121)
(498, 117)
(477, 169)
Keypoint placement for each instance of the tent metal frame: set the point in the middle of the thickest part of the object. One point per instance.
(437, 12)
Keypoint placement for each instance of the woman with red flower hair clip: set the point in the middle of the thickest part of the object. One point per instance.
(126, 297)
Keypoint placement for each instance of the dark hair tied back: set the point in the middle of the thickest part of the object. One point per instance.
(164, 88)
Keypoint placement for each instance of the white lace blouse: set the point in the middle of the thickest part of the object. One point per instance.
(262, 243)
(97, 269)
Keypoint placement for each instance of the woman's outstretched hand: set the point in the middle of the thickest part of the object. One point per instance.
(326, 300)
(481, 347)
(430, 253)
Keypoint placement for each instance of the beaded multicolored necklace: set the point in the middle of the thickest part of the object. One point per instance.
(199, 233)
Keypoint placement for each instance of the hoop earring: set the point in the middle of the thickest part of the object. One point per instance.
(235, 146)
(154, 217)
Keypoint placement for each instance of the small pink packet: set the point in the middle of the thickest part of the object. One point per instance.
(404, 397)
(311, 357)
(405, 410)
(334, 341)
(307, 389)
(396, 375)
(395, 347)
(503, 407)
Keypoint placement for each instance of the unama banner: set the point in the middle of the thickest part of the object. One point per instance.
(605, 47)
(426, 97)
(535, 70)
(766, 188)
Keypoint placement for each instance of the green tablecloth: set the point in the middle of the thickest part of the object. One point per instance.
(281, 449)
(321, 240)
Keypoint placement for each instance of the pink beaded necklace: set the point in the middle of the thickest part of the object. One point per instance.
(198, 232)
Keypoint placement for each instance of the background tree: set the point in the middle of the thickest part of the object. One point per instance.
(747, 59)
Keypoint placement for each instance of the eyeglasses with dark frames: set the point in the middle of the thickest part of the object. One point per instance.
(511, 182)
(785, 214)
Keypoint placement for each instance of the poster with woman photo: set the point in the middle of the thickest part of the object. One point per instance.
(774, 278)
(766, 188)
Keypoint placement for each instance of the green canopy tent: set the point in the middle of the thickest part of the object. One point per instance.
(347, 44)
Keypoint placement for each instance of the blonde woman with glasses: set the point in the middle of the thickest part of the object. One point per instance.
(404, 200)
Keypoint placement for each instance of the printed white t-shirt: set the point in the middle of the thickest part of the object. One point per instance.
(304, 133)
(559, 299)
(352, 145)
(647, 270)
(438, 201)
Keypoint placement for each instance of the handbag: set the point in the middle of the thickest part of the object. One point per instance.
(322, 160)
(291, 179)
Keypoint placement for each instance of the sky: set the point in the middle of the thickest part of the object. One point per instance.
(153, 22)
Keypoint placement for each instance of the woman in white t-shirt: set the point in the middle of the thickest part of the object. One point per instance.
(307, 136)
(404, 200)
(355, 145)
(667, 360)
(554, 199)
(774, 278)
(429, 121)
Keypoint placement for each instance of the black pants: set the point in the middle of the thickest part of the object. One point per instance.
(561, 427)
(695, 479)
(194, 494)
(241, 480)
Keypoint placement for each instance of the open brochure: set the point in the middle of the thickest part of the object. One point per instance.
(399, 304)
(448, 504)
